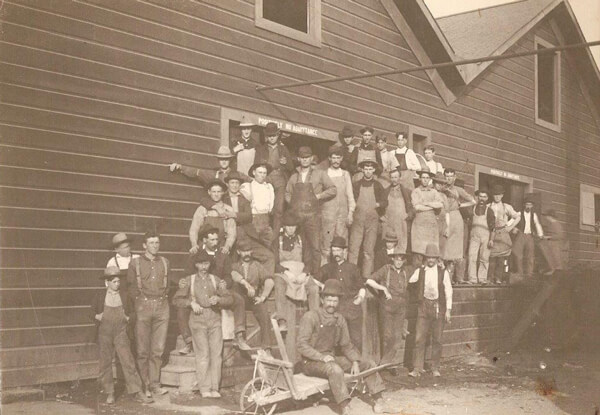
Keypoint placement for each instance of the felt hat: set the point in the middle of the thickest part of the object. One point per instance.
(339, 242)
(367, 128)
(200, 256)
(234, 175)
(336, 149)
(271, 129)
(529, 199)
(207, 229)
(497, 189)
(370, 160)
(216, 182)
(440, 178)
(257, 165)
(289, 219)
(245, 122)
(119, 238)
(396, 251)
(224, 153)
(390, 237)
(305, 151)
(423, 170)
(432, 250)
(333, 287)
(110, 273)
(347, 131)
(244, 245)
(482, 190)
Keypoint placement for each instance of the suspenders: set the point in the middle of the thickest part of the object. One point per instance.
(138, 274)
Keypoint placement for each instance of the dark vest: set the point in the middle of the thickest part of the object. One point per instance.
(441, 291)
(521, 224)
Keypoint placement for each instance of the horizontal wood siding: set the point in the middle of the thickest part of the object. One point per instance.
(98, 96)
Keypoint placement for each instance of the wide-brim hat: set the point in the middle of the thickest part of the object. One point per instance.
(234, 175)
(482, 190)
(119, 238)
(439, 178)
(367, 128)
(339, 242)
(224, 153)
(305, 151)
(289, 219)
(257, 165)
(432, 251)
(245, 122)
(200, 256)
(244, 245)
(271, 129)
(216, 182)
(110, 273)
(333, 287)
(370, 161)
(497, 189)
(423, 171)
(347, 131)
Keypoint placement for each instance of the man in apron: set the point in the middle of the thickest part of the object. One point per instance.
(407, 160)
(306, 190)
(396, 213)
(323, 331)
(244, 148)
(506, 220)
(337, 213)
(481, 239)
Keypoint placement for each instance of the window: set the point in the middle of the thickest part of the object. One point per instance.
(589, 210)
(297, 19)
(547, 87)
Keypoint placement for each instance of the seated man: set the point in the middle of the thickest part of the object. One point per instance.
(321, 332)
(254, 284)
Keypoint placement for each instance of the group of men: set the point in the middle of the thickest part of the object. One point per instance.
(329, 234)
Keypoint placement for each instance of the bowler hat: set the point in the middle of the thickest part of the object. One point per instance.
(333, 287)
(390, 237)
(289, 219)
(305, 151)
(244, 245)
(110, 273)
(119, 238)
(224, 153)
(271, 129)
(367, 128)
(200, 256)
(339, 242)
(432, 251)
(234, 175)
(439, 178)
(245, 122)
(347, 131)
(215, 182)
(206, 230)
(257, 165)
(497, 189)
(369, 160)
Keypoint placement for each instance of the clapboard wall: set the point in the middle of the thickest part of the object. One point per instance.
(98, 96)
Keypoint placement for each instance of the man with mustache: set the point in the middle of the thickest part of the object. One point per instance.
(323, 331)
(529, 229)
(254, 284)
(481, 238)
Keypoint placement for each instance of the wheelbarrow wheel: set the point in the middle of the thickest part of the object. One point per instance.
(253, 390)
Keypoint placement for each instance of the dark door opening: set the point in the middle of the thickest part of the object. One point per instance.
(514, 191)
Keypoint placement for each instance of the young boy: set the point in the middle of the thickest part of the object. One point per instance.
(121, 244)
(206, 294)
(111, 310)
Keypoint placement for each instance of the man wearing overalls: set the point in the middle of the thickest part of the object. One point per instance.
(391, 282)
(408, 163)
(305, 191)
(122, 245)
(337, 213)
(148, 288)
(481, 238)
(111, 311)
(320, 333)
(434, 291)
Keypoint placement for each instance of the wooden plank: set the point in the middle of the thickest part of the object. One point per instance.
(42, 317)
(49, 374)
(47, 297)
(34, 356)
(45, 336)
(52, 277)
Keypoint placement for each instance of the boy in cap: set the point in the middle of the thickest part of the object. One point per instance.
(111, 311)
(336, 213)
(252, 282)
(434, 293)
(205, 176)
(529, 229)
(370, 206)
(391, 282)
(321, 333)
(305, 192)
(121, 244)
(507, 218)
(261, 196)
(244, 148)
(206, 294)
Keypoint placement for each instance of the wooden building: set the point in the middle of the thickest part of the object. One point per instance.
(99, 96)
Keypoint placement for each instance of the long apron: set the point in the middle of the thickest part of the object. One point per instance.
(456, 233)
(304, 202)
(396, 219)
(406, 176)
(441, 223)
(245, 160)
(424, 231)
(502, 242)
(334, 215)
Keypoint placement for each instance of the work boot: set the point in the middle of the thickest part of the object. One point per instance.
(415, 373)
(157, 390)
(187, 349)
(240, 342)
(140, 397)
(110, 399)
(436, 373)
(215, 394)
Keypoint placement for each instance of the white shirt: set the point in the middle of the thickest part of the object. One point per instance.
(333, 173)
(527, 228)
(303, 175)
(260, 195)
(388, 159)
(122, 261)
(431, 284)
(434, 166)
(412, 162)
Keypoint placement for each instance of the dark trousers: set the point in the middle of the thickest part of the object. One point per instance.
(523, 253)
(241, 303)
(391, 325)
(429, 322)
(334, 372)
(183, 318)
(496, 269)
(151, 335)
(277, 213)
(112, 336)
(311, 231)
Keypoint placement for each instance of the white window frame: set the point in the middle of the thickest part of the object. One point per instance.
(586, 206)
(557, 86)
(313, 37)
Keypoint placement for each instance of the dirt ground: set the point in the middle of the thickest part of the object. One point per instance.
(543, 381)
